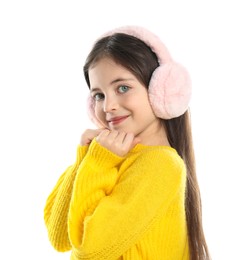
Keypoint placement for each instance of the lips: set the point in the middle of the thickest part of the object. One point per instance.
(117, 120)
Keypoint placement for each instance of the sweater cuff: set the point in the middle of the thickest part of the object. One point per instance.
(102, 157)
(81, 152)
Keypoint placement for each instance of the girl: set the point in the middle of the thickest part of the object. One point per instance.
(132, 192)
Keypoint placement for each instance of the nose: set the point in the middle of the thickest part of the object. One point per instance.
(110, 104)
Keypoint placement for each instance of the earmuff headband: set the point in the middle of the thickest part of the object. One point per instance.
(170, 85)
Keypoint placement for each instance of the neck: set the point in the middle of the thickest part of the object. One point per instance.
(154, 135)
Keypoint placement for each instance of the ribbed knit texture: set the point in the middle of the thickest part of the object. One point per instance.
(110, 207)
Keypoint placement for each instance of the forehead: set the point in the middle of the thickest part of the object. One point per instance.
(105, 61)
(106, 70)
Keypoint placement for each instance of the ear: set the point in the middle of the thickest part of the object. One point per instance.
(91, 112)
(170, 90)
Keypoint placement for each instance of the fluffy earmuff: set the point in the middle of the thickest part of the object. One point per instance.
(170, 84)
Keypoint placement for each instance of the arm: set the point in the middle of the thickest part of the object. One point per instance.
(57, 205)
(95, 179)
(111, 222)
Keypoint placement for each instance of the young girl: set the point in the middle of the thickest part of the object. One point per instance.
(132, 192)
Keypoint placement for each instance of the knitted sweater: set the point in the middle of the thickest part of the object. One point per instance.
(110, 207)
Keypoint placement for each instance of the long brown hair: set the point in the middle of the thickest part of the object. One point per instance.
(137, 57)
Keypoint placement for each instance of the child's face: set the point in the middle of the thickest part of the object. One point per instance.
(121, 101)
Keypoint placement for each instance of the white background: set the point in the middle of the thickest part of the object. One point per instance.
(43, 45)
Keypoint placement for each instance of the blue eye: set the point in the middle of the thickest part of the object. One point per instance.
(123, 89)
(98, 96)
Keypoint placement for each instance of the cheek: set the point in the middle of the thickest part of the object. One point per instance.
(139, 103)
(99, 111)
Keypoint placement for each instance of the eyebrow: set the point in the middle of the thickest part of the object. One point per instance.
(113, 82)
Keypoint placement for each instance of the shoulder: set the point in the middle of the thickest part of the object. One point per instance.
(160, 157)
(157, 162)
(160, 168)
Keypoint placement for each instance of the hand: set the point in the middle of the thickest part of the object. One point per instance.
(89, 135)
(119, 143)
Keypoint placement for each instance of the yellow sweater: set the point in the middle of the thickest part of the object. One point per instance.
(110, 207)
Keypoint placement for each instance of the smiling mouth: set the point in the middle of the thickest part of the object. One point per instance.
(117, 120)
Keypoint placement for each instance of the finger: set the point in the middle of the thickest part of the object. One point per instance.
(88, 136)
(127, 142)
(136, 141)
(102, 136)
(110, 139)
(113, 135)
(95, 132)
(132, 141)
(98, 131)
(103, 133)
(121, 137)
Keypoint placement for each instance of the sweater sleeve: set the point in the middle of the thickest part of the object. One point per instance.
(57, 205)
(106, 220)
(96, 177)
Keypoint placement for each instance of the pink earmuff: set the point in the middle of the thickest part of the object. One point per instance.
(170, 84)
